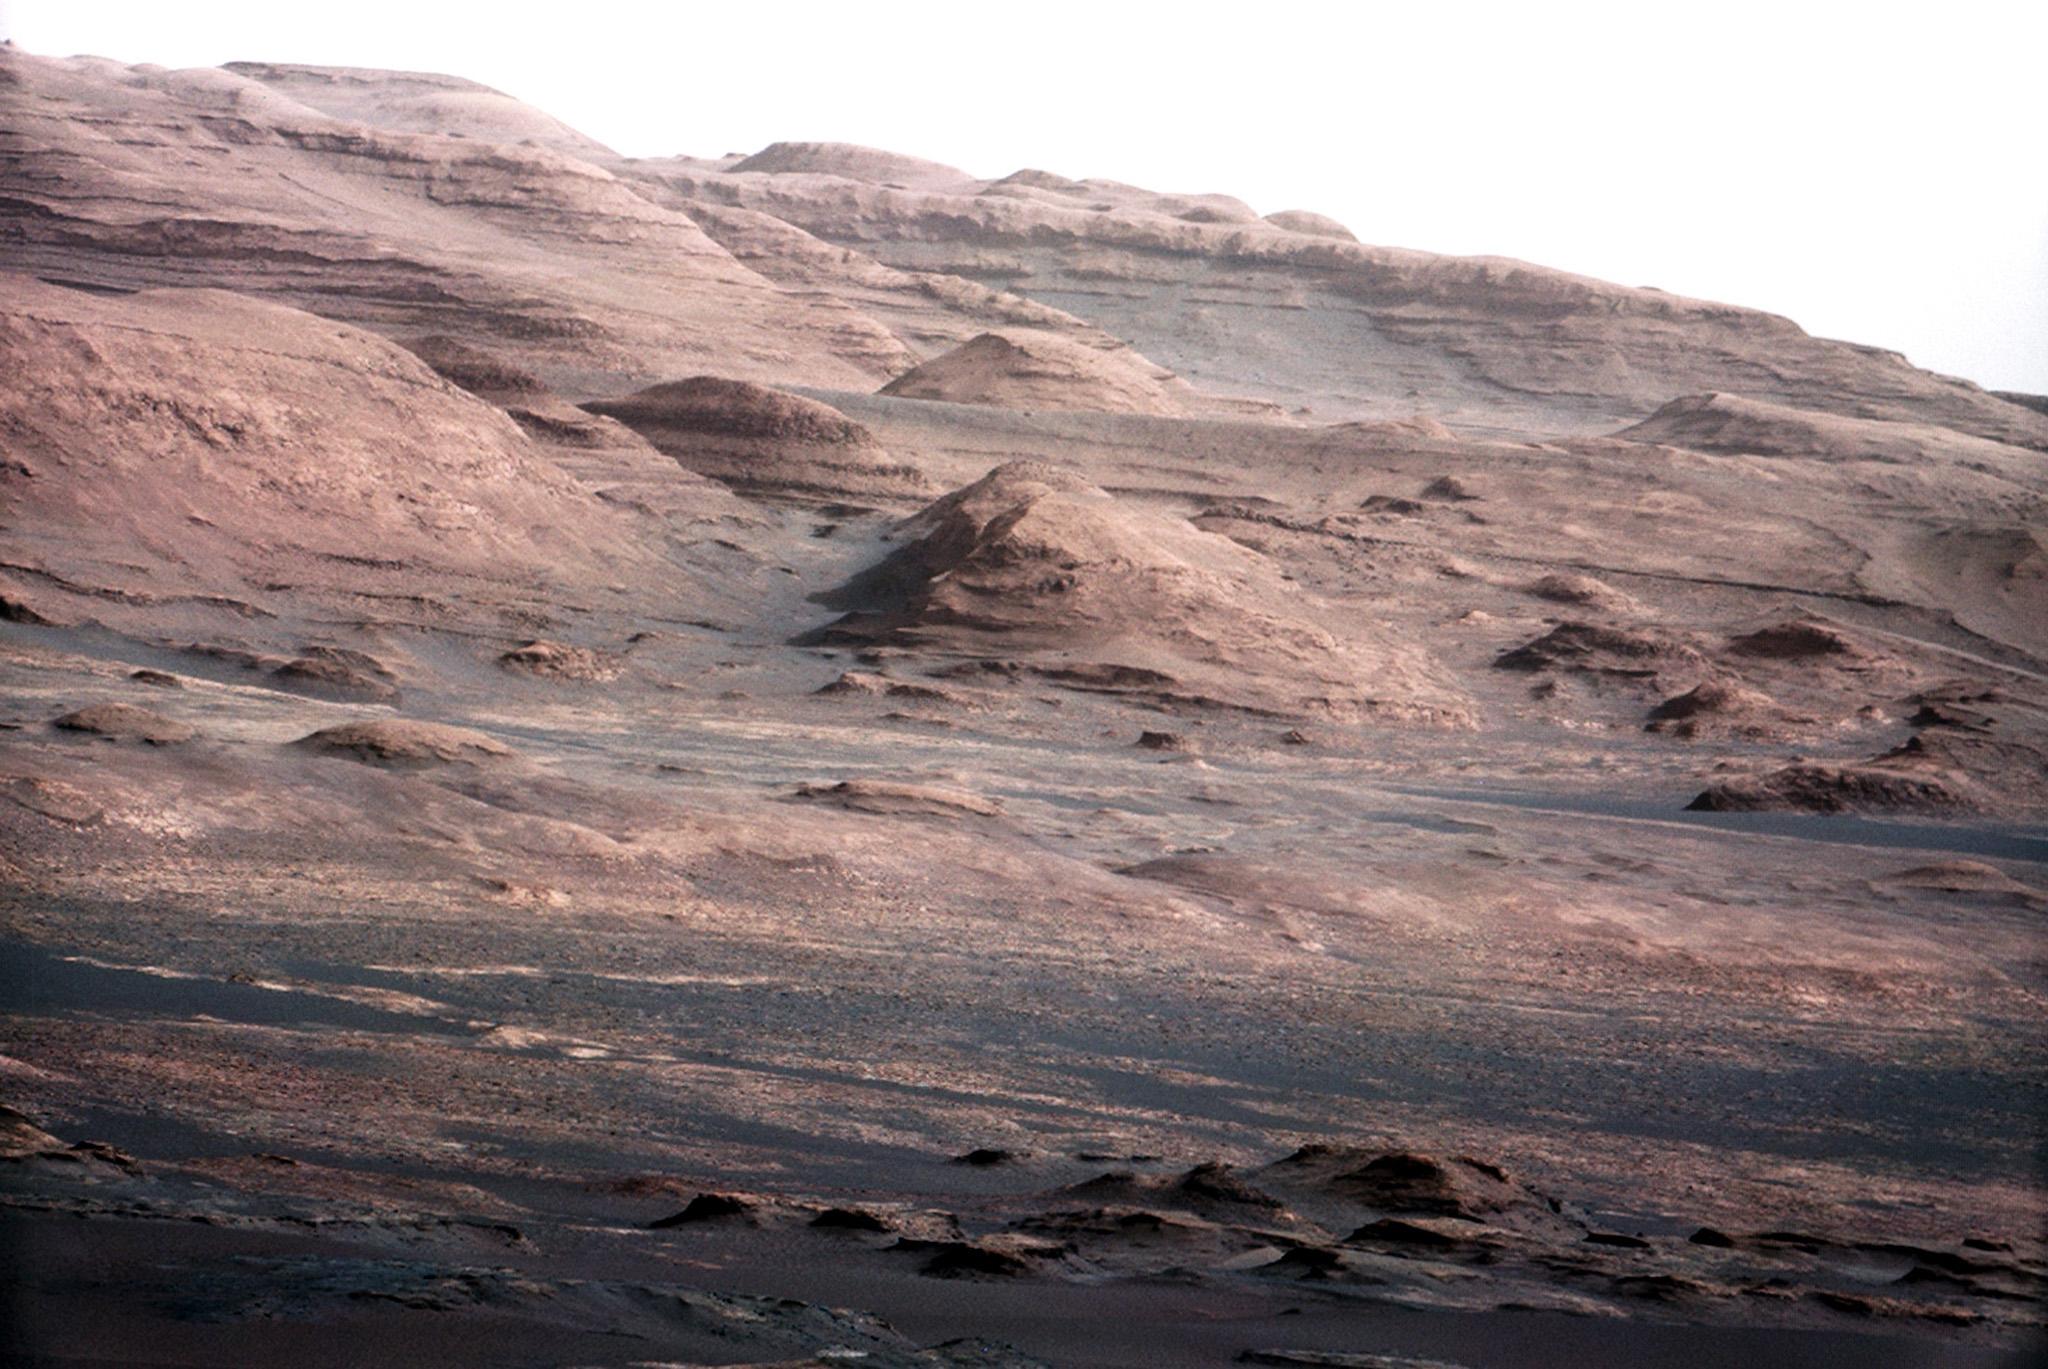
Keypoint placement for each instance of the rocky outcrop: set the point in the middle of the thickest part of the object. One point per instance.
(1311, 224)
(1037, 371)
(758, 439)
(403, 744)
(422, 102)
(1103, 595)
(124, 723)
(1737, 425)
(1814, 787)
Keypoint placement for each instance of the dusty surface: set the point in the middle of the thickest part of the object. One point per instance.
(586, 777)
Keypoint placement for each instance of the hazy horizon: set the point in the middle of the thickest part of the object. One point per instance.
(1864, 175)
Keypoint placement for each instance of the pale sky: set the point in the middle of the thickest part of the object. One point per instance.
(1874, 171)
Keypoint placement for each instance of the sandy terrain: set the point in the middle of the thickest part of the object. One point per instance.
(806, 759)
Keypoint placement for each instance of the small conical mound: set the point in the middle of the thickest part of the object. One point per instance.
(1310, 223)
(850, 161)
(1018, 370)
(1103, 595)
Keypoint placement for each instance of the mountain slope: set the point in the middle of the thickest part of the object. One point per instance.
(130, 177)
(1286, 309)
(203, 449)
(1255, 308)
